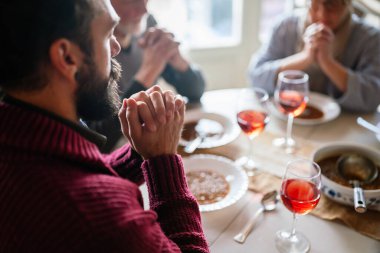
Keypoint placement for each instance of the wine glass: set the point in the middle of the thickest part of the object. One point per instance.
(252, 117)
(300, 193)
(291, 96)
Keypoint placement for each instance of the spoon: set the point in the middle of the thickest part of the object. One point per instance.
(194, 144)
(358, 170)
(368, 125)
(268, 203)
(205, 128)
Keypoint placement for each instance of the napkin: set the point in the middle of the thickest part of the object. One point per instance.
(367, 223)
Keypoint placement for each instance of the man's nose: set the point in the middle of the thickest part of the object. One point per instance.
(115, 47)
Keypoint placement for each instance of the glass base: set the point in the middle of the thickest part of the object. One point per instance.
(249, 165)
(289, 144)
(285, 243)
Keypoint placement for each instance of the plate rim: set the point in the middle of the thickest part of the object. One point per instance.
(229, 137)
(243, 186)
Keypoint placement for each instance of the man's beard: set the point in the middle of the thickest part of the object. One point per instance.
(97, 97)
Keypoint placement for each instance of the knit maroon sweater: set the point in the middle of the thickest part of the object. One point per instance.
(58, 193)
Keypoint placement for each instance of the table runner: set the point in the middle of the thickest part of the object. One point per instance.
(273, 162)
(367, 223)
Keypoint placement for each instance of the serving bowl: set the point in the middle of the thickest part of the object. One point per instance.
(339, 189)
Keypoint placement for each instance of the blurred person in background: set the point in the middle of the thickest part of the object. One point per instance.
(147, 54)
(58, 192)
(335, 47)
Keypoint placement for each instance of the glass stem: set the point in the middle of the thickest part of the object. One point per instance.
(294, 225)
(250, 166)
(289, 128)
(250, 154)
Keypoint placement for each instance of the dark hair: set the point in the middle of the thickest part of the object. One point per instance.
(28, 29)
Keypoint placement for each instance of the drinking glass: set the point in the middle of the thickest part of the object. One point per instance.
(291, 96)
(252, 117)
(300, 193)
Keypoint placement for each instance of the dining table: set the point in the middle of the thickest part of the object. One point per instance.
(220, 226)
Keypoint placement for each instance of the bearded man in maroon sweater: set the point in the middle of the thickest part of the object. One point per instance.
(58, 192)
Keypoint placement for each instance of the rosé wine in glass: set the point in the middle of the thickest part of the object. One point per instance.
(291, 96)
(300, 193)
(252, 122)
(252, 117)
(292, 102)
(299, 196)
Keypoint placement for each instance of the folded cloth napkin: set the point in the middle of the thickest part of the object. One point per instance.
(367, 223)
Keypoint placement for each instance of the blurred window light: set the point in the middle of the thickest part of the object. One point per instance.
(201, 23)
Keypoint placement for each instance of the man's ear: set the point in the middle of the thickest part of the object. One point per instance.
(66, 58)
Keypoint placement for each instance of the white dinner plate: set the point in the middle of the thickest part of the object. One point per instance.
(235, 176)
(230, 131)
(326, 104)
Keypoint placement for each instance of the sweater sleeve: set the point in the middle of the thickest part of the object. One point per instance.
(115, 215)
(127, 163)
(363, 84)
(265, 63)
(189, 83)
(177, 209)
(135, 86)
